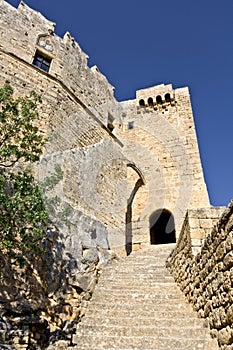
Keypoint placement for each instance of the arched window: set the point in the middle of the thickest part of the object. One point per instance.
(168, 97)
(142, 102)
(159, 100)
(150, 101)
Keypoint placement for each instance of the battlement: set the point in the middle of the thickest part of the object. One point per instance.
(32, 39)
(155, 132)
(153, 91)
(130, 171)
(159, 96)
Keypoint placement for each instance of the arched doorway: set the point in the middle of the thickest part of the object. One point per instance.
(162, 227)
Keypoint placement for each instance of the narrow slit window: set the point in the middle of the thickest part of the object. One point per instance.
(42, 62)
(130, 125)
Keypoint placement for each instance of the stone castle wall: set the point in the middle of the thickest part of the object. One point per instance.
(121, 164)
(206, 277)
(80, 111)
(94, 183)
(158, 133)
(76, 104)
(31, 32)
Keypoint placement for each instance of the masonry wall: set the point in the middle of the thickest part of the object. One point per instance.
(31, 32)
(109, 185)
(159, 137)
(76, 102)
(93, 184)
(88, 199)
(78, 107)
(206, 278)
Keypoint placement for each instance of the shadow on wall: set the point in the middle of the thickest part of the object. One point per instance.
(128, 218)
(162, 227)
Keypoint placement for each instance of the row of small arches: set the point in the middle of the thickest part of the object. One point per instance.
(158, 100)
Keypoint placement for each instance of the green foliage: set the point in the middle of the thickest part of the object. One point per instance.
(23, 217)
(20, 139)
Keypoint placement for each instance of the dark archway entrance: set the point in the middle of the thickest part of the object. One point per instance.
(162, 227)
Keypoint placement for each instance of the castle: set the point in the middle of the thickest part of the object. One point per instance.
(131, 169)
(133, 166)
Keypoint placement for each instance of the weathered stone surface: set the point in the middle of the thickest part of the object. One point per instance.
(225, 336)
(148, 311)
(121, 164)
(209, 283)
(78, 107)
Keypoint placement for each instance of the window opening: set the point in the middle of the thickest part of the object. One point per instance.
(110, 122)
(159, 100)
(168, 98)
(150, 101)
(142, 102)
(130, 125)
(42, 62)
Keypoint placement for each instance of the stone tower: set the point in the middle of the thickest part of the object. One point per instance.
(131, 169)
(158, 133)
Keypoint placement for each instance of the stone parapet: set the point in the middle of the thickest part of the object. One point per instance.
(206, 277)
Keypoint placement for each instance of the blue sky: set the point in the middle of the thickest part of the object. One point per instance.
(186, 43)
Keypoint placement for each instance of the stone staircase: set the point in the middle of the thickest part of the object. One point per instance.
(137, 305)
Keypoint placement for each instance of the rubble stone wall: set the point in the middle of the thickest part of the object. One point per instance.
(206, 278)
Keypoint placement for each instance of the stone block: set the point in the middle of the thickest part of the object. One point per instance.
(228, 260)
(225, 336)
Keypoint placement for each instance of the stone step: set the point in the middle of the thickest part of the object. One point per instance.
(126, 286)
(160, 248)
(134, 278)
(137, 280)
(151, 257)
(140, 270)
(143, 259)
(137, 300)
(132, 269)
(145, 312)
(138, 287)
(146, 331)
(145, 321)
(162, 343)
(136, 272)
(144, 306)
(148, 258)
(138, 306)
(136, 297)
(135, 284)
